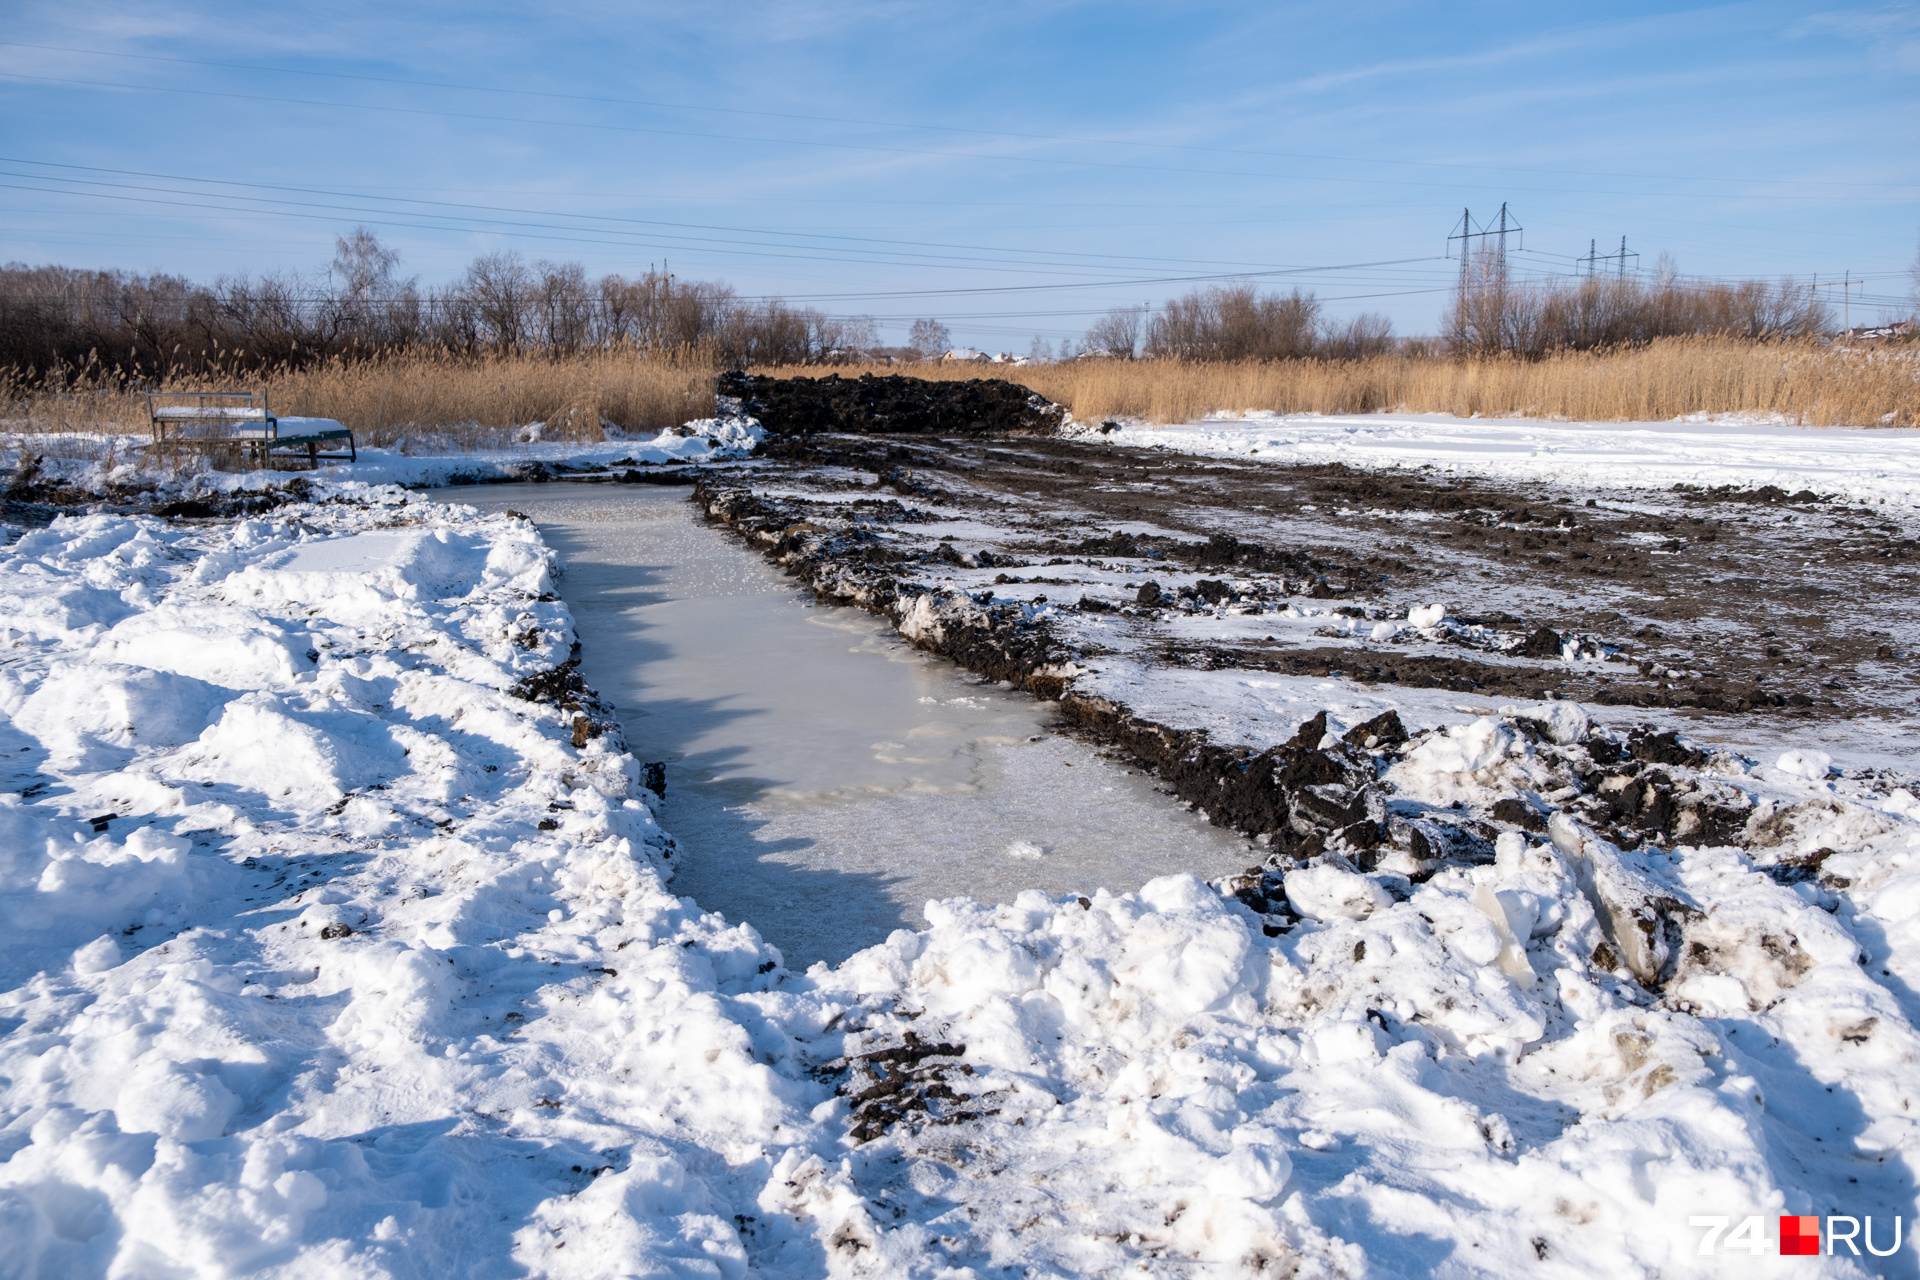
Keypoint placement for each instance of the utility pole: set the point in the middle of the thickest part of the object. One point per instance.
(1595, 257)
(1467, 231)
(1466, 227)
(1846, 298)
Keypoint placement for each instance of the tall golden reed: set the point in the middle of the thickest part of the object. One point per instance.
(1805, 383)
(447, 399)
(472, 402)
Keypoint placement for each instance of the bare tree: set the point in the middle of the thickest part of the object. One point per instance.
(1367, 334)
(929, 339)
(1118, 332)
(1486, 308)
(1235, 323)
(500, 290)
(1493, 312)
(844, 339)
(563, 305)
(1040, 351)
(362, 276)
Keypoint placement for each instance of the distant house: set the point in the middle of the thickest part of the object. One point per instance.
(967, 355)
(1897, 331)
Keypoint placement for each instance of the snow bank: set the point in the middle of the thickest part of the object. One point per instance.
(324, 953)
(1868, 464)
(327, 948)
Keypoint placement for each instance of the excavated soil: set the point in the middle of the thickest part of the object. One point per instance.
(1717, 604)
(1728, 601)
(895, 405)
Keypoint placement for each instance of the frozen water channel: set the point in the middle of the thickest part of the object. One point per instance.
(824, 779)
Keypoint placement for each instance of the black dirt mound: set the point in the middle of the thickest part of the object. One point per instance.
(870, 405)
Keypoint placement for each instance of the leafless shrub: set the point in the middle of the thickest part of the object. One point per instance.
(1493, 313)
(1235, 323)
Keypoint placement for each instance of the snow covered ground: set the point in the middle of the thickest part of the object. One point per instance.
(327, 954)
(1876, 464)
(338, 940)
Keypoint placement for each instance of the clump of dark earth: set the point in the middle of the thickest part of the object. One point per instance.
(909, 1083)
(33, 499)
(1212, 590)
(561, 685)
(892, 405)
(1384, 730)
(1545, 642)
(1663, 748)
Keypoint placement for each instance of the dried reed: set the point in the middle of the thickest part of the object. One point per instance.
(433, 397)
(1801, 382)
(461, 401)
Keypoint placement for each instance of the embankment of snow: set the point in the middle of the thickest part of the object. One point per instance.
(322, 950)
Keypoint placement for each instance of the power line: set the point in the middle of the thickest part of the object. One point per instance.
(413, 220)
(584, 217)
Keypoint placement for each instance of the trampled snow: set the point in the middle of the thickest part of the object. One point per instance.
(1871, 464)
(325, 953)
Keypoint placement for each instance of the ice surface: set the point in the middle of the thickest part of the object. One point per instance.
(826, 780)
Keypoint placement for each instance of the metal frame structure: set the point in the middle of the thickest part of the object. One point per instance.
(239, 422)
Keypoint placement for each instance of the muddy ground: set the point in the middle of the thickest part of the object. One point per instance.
(1747, 602)
(1034, 560)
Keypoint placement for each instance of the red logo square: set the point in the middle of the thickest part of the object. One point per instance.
(1799, 1234)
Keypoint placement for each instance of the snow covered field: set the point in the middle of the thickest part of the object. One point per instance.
(1870, 464)
(338, 942)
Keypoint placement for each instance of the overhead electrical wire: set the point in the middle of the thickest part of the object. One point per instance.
(583, 217)
(419, 221)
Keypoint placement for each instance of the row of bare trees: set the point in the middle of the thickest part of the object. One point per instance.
(57, 320)
(1238, 322)
(1494, 313)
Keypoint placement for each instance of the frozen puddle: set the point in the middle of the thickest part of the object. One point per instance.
(824, 779)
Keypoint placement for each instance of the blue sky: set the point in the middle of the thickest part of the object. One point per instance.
(1013, 170)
